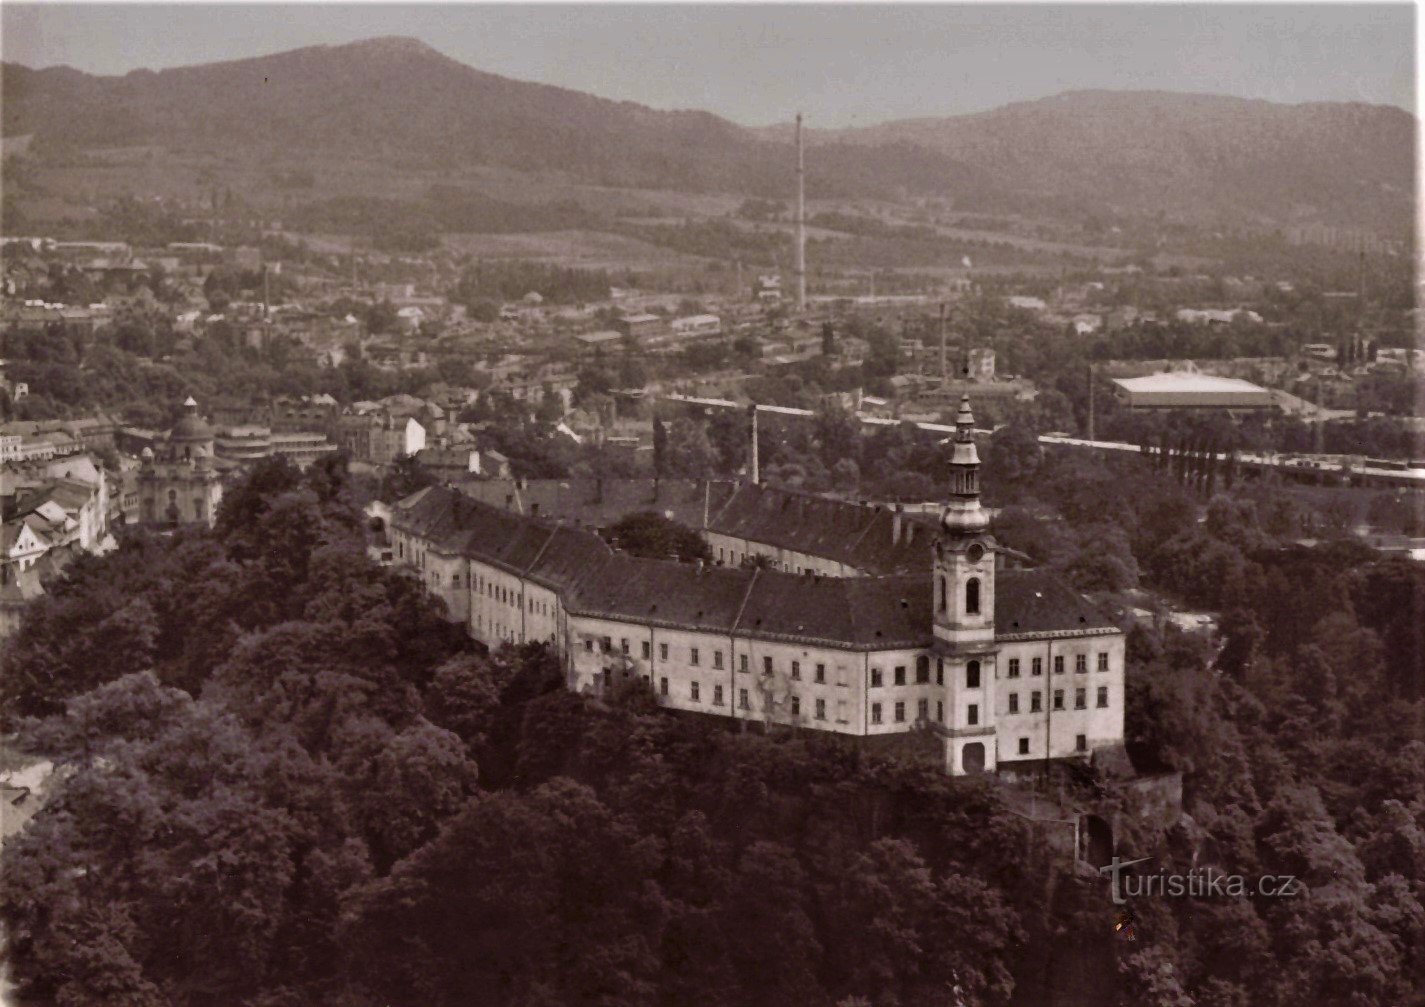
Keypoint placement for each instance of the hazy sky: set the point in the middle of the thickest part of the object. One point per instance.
(755, 64)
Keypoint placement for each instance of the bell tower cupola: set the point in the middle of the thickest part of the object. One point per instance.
(963, 513)
(964, 566)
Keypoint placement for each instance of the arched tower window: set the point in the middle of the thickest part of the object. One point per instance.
(972, 596)
(972, 675)
(944, 595)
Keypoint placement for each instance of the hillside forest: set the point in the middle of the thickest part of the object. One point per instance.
(287, 780)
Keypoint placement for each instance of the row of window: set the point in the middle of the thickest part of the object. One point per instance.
(1081, 744)
(723, 556)
(1080, 700)
(1081, 665)
(695, 658)
(922, 712)
(922, 673)
(744, 701)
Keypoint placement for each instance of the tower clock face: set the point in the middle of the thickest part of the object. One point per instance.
(975, 553)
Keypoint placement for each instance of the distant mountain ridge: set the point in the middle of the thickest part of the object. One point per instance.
(1177, 150)
(399, 100)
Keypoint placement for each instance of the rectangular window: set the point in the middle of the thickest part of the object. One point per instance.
(922, 671)
(1080, 699)
(1035, 705)
(663, 686)
(607, 644)
(693, 692)
(940, 711)
(821, 673)
(662, 652)
(717, 659)
(742, 703)
(875, 713)
(1058, 664)
(589, 646)
(694, 657)
(1037, 667)
(647, 650)
(1023, 746)
(1058, 699)
(1102, 696)
(1103, 662)
(1014, 702)
(766, 666)
(717, 695)
(796, 670)
(922, 709)
(900, 713)
(821, 709)
(875, 678)
(796, 706)
(1014, 667)
(972, 714)
(900, 674)
(939, 671)
(624, 644)
(742, 662)
(1081, 743)
(1081, 663)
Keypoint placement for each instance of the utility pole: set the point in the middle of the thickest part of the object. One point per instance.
(944, 377)
(801, 222)
(1091, 400)
(756, 475)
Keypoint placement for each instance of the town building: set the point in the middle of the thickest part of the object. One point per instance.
(380, 436)
(981, 666)
(178, 482)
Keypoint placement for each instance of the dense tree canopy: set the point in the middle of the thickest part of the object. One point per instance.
(288, 780)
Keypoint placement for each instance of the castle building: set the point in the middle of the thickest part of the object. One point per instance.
(984, 666)
(178, 483)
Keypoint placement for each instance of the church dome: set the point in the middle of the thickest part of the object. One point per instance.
(190, 429)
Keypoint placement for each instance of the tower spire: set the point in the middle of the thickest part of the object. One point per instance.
(963, 513)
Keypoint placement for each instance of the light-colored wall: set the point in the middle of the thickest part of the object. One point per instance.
(730, 551)
(1055, 731)
(500, 606)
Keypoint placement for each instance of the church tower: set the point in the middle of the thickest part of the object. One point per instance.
(964, 609)
(964, 552)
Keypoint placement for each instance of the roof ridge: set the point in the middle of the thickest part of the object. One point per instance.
(548, 538)
(746, 597)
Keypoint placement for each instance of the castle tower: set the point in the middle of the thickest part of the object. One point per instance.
(964, 609)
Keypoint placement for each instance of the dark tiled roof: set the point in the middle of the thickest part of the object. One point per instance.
(579, 500)
(862, 537)
(1036, 601)
(861, 612)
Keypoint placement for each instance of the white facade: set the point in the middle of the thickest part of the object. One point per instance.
(986, 682)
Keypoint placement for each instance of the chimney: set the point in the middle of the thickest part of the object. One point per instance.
(896, 519)
(756, 477)
(801, 223)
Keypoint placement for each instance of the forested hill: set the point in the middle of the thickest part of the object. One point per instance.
(399, 100)
(1202, 158)
(1347, 163)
